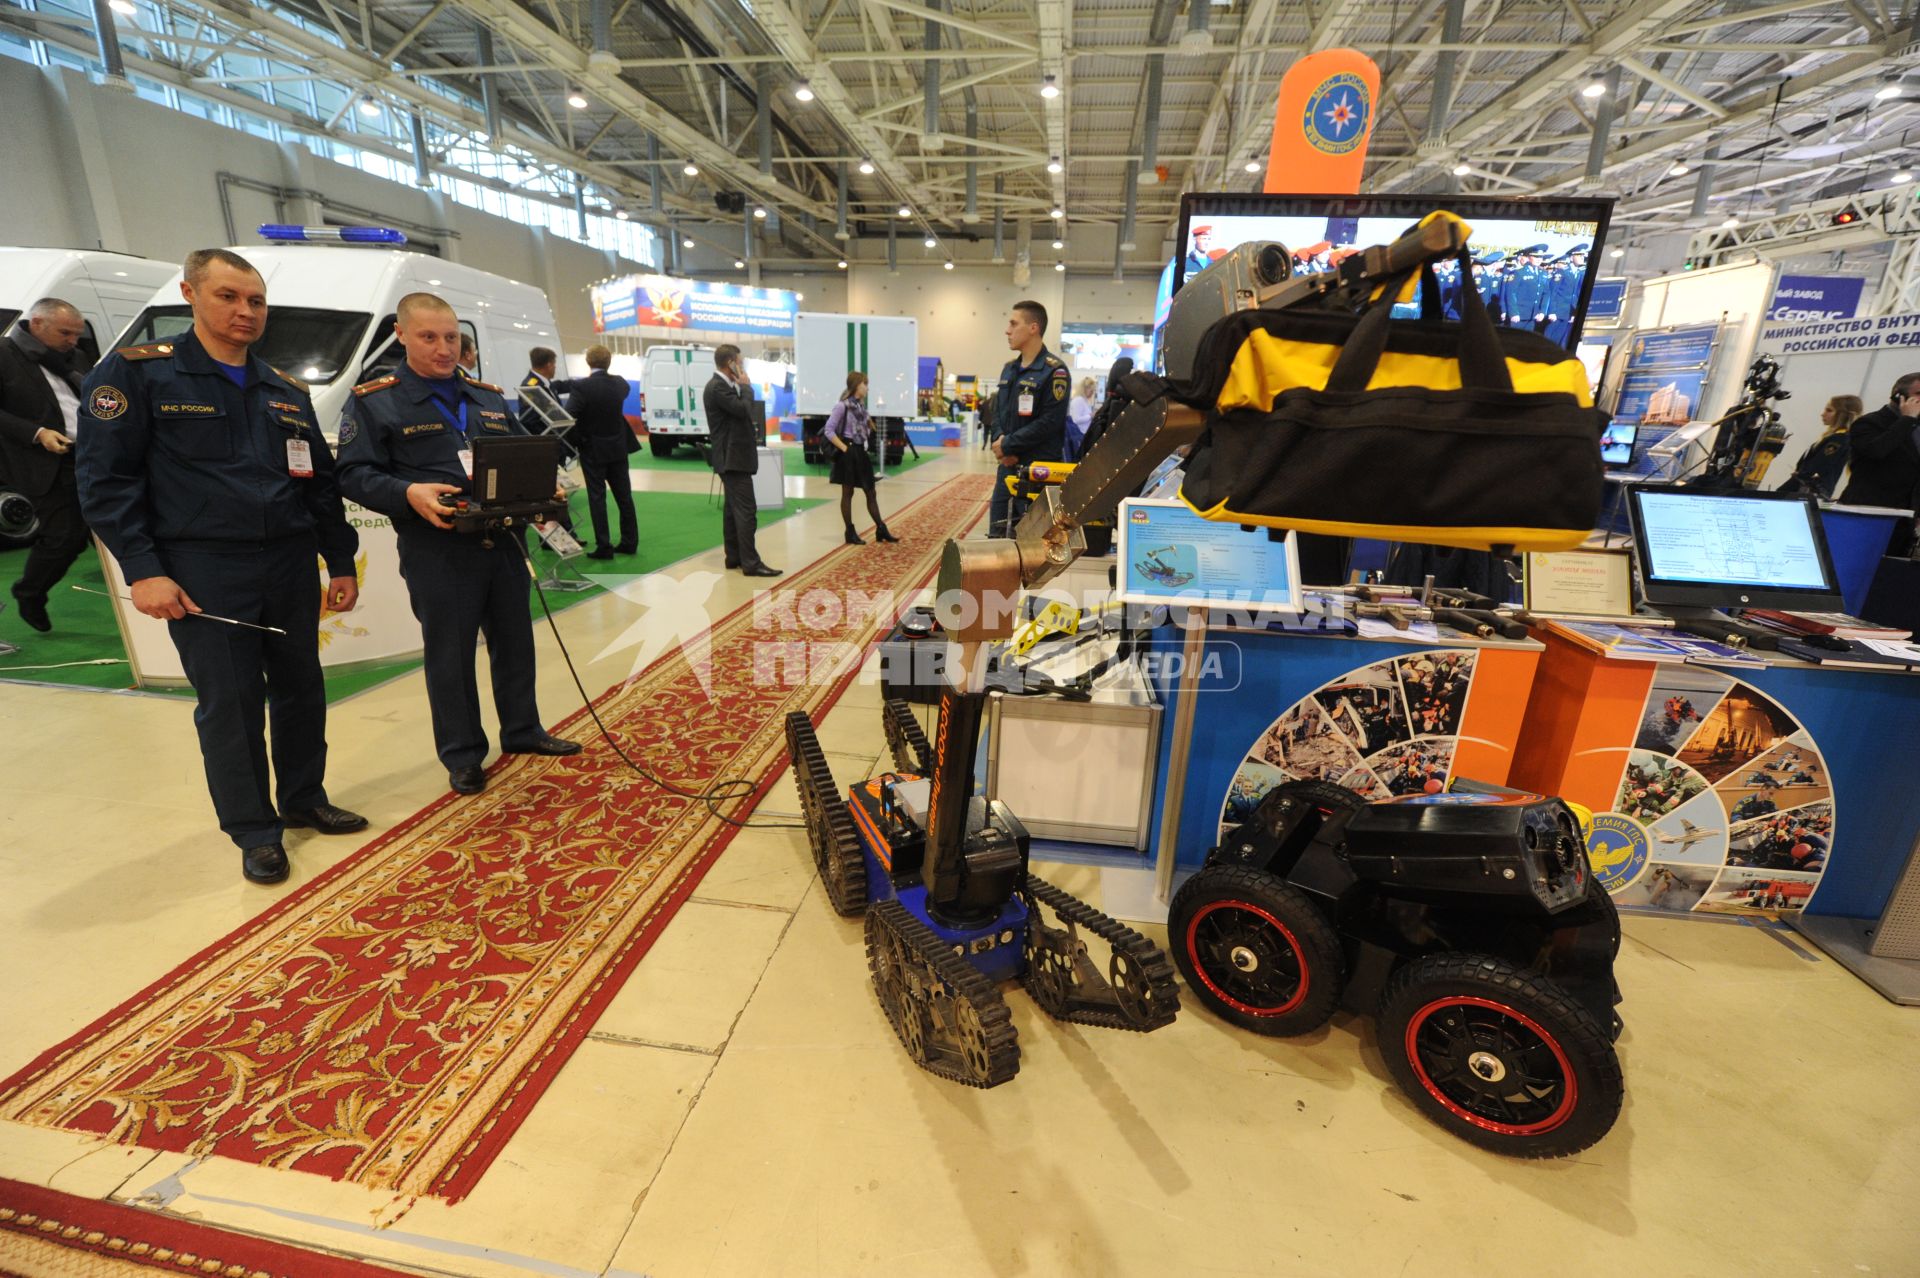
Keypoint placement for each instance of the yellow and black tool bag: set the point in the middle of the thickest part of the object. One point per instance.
(1363, 425)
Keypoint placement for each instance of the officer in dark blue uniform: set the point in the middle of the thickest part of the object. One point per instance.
(1486, 276)
(1563, 292)
(406, 442)
(204, 471)
(1523, 297)
(1030, 411)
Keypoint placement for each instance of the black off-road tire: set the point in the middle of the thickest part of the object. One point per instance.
(1500, 1056)
(1256, 950)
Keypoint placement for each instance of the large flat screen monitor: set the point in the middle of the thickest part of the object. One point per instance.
(1534, 259)
(1731, 550)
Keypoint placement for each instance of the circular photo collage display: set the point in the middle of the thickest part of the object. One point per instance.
(1724, 806)
(1383, 730)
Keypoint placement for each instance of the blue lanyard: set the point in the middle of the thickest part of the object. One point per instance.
(458, 423)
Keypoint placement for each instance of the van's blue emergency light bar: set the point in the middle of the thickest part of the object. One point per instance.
(331, 234)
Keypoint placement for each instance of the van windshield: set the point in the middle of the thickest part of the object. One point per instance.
(7, 317)
(313, 345)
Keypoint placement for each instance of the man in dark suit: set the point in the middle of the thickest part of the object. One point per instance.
(40, 379)
(1885, 447)
(601, 433)
(734, 457)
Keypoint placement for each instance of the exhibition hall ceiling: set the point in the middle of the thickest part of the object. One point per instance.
(1705, 108)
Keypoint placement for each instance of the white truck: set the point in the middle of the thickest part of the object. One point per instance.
(108, 288)
(828, 347)
(672, 380)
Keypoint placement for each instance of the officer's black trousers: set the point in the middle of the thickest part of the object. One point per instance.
(602, 476)
(460, 590)
(62, 536)
(999, 505)
(243, 678)
(742, 520)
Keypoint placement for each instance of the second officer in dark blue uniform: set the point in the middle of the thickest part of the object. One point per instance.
(1030, 411)
(203, 470)
(405, 442)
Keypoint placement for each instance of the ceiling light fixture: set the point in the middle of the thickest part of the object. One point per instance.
(687, 242)
(368, 107)
(1049, 88)
(621, 214)
(691, 169)
(1902, 176)
(739, 265)
(1594, 88)
(843, 263)
(1059, 244)
(1617, 253)
(947, 265)
(1251, 166)
(1054, 165)
(125, 8)
(866, 167)
(1462, 169)
(1679, 169)
(930, 242)
(759, 211)
(1886, 91)
(1057, 213)
(905, 211)
(576, 99)
(1730, 223)
(1059, 266)
(803, 92)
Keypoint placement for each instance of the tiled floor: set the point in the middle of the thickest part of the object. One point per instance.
(742, 1108)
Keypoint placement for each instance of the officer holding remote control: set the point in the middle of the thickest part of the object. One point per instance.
(406, 450)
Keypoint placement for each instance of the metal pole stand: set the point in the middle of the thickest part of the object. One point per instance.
(565, 575)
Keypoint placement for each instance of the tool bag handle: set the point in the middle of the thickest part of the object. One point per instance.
(1483, 365)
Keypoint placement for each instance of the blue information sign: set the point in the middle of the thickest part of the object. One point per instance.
(1676, 348)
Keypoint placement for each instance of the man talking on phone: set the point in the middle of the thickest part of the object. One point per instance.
(735, 458)
(203, 469)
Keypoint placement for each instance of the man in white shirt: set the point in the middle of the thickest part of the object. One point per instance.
(40, 378)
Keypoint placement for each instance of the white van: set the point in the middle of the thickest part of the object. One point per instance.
(330, 312)
(672, 380)
(827, 347)
(109, 288)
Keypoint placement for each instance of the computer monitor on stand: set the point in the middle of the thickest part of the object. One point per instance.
(1700, 553)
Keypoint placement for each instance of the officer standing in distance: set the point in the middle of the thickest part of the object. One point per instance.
(406, 442)
(1524, 296)
(203, 470)
(1030, 410)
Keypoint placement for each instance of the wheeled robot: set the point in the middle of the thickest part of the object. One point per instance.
(1467, 922)
(952, 911)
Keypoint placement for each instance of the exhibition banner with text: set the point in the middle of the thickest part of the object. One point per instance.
(1874, 334)
(659, 301)
(1816, 297)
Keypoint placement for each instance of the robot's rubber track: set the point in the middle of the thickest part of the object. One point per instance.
(830, 829)
(912, 752)
(1138, 992)
(951, 1019)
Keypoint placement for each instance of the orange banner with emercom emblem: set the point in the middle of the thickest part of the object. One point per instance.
(1323, 124)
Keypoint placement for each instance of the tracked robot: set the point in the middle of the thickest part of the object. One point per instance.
(1469, 922)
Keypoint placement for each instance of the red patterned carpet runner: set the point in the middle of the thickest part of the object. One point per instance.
(47, 1234)
(392, 1023)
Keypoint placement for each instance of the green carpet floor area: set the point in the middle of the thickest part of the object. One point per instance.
(672, 527)
(685, 457)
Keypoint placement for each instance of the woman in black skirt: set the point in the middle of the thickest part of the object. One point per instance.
(848, 430)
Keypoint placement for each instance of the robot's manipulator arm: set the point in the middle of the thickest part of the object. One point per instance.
(1257, 275)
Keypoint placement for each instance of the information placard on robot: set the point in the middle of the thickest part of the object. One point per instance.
(1170, 555)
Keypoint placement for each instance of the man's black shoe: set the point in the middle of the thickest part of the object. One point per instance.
(34, 613)
(732, 564)
(325, 818)
(546, 743)
(264, 864)
(468, 780)
(760, 570)
(624, 549)
(600, 552)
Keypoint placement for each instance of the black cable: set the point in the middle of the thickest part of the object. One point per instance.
(725, 790)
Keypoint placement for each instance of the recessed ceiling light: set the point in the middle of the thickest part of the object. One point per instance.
(435, 283)
(1049, 88)
(690, 169)
(866, 166)
(576, 99)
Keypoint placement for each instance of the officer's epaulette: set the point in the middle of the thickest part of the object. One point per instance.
(290, 379)
(1053, 361)
(485, 386)
(153, 350)
(378, 383)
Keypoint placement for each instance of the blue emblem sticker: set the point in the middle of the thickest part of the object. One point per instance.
(1617, 848)
(1337, 113)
